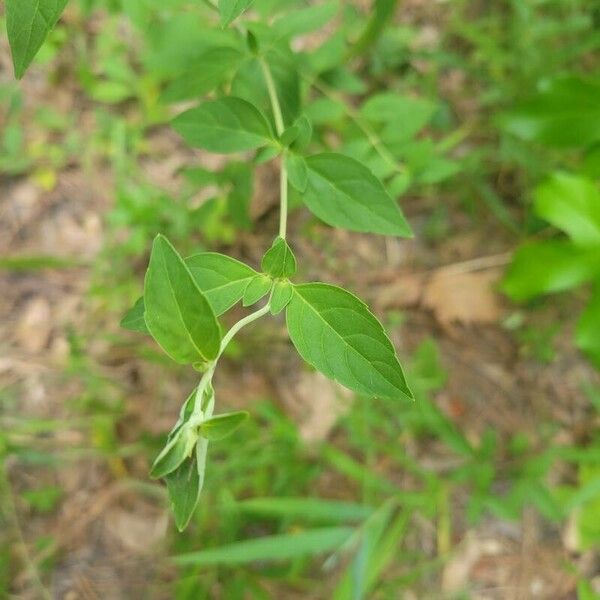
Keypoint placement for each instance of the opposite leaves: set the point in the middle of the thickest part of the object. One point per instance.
(344, 193)
(337, 334)
(221, 278)
(177, 313)
(28, 22)
(224, 125)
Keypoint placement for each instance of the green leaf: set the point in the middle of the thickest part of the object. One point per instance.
(304, 133)
(297, 171)
(272, 547)
(185, 484)
(134, 318)
(587, 336)
(222, 279)
(548, 267)
(177, 313)
(282, 294)
(204, 74)
(344, 193)
(219, 427)
(571, 203)
(304, 20)
(337, 334)
(178, 448)
(28, 22)
(403, 116)
(241, 180)
(566, 113)
(289, 135)
(313, 510)
(225, 125)
(279, 260)
(232, 9)
(248, 82)
(258, 287)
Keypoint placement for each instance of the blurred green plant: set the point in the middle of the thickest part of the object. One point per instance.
(563, 114)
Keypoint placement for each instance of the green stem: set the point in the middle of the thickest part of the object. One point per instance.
(355, 115)
(242, 323)
(208, 374)
(277, 115)
(283, 199)
(279, 127)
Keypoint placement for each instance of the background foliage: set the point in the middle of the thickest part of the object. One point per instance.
(483, 118)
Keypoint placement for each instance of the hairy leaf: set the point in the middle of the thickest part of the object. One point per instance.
(28, 22)
(177, 313)
(344, 193)
(225, 125)
(337, 334)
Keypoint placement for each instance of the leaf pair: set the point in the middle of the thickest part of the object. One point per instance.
(220, 279)
(183, 459)
(336, 188)
(331, 329)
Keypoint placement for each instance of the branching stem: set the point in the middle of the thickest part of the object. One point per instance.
(208, 374)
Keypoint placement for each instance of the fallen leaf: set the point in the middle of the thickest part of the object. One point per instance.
(33, 329)
(463, 297)
(316, 403)
(139, 533)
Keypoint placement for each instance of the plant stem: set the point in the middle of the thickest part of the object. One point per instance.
(355, 115)
(277, 115)
(242, 323)
(283, 199)
(208, 374)
(279, 127)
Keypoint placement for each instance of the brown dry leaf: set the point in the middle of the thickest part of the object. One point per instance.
(35, 325)
(457, 571)
(463, 297)
(317, 403)
(405, 292)
(139, 533)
